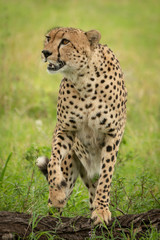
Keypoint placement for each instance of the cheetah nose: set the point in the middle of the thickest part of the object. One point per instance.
(46, 53)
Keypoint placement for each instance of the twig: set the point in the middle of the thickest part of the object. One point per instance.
(118, 209)
(29, 188)
(154, 197)
(130, 200)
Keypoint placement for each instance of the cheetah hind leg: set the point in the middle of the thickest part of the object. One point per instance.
(69, 168)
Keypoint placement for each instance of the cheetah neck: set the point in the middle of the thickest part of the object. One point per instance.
(84, 80)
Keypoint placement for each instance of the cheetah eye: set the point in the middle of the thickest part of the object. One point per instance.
(48, 38)
(64, 41)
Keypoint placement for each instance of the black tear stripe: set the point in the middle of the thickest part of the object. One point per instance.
(59, 53)
(59, 48)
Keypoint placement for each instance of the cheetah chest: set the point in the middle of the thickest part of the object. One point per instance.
(88, 145)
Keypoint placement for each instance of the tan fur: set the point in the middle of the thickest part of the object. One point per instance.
(91, 116)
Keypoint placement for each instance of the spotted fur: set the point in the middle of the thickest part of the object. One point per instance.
(91, 116)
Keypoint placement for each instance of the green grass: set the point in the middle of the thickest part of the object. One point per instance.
(28, 100)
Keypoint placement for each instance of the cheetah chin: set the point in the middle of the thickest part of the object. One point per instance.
(52, 68)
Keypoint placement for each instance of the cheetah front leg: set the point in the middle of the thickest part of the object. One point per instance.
(101, 213)
(62, 144)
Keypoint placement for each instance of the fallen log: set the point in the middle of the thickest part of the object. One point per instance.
(14, 225)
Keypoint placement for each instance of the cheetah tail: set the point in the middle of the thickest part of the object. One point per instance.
(42, 163)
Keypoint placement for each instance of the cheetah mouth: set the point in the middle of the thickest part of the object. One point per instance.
(55, 67)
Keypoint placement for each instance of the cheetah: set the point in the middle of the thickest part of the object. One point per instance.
(91, 117)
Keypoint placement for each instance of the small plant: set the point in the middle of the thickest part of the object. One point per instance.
(4, 169)
(33, 152)
(138, 194)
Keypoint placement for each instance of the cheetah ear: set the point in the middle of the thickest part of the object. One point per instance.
(93, 37)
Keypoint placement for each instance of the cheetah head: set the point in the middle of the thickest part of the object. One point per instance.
(68, 50)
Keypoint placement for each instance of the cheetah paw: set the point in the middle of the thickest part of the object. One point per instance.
(100, 216)
(57, 197)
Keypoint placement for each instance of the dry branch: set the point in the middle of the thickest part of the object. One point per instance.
(14, 224)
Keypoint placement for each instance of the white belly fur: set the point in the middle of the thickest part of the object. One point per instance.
(91, 141)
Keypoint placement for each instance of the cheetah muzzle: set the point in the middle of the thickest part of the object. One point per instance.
(91, 116)
(55, 67)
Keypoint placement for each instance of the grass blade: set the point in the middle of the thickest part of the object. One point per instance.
(4, 168)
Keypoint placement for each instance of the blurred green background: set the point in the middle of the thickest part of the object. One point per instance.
(28, 98)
